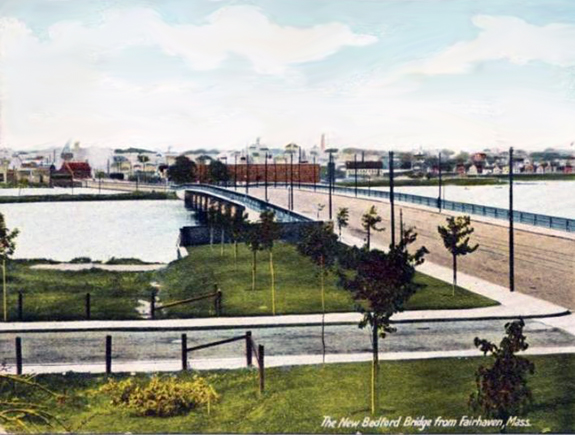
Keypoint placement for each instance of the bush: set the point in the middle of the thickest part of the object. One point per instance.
(162, 396)
(81, 260)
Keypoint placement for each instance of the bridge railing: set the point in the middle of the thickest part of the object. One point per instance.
(282, 214)
(535, 219)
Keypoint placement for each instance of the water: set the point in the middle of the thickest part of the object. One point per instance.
(147, 230)
(553, 198)
(29, 191)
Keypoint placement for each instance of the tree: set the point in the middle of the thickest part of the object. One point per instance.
(502, 389)
(342, 219)
(254, 243)
(369, 222)
(223, 221)
(320, 244)
(239, 226)
(212, 220)
(455, 237)
(218, 172)
(269, 232)
(382, 283)
(182, 171)
(7, 248)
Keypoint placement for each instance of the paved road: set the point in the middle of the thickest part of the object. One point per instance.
(544, 264)
(88, 347)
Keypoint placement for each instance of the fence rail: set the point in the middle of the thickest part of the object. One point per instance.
(251, 350)
(535, 219)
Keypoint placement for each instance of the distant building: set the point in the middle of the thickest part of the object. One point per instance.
(78, 170)
(364, 169)
(276, 173)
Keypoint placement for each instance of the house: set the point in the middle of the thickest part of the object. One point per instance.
(78, 170)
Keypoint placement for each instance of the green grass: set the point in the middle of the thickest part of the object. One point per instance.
(60, 295)
(85, 197)
(448, 181)
(297, 399)
(297, 285)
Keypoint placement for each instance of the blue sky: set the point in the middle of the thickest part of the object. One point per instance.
(401, 74)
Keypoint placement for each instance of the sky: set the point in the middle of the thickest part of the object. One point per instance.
(381, 74)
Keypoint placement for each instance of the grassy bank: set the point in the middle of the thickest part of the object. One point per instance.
(85, 197)
(297, 285)
(460, 181)
(453, 181)
(60, 295)
(297, 399)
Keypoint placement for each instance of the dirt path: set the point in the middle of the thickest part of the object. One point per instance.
(544, 264)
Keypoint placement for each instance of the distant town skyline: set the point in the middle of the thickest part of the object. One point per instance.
(403, 75)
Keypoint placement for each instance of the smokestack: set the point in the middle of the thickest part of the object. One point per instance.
(322, 145)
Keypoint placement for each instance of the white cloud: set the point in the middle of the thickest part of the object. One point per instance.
(59, 87)
(502, 38)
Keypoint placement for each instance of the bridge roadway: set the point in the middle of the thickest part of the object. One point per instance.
(544, 259)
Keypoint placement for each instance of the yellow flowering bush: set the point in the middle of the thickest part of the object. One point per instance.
(161, 396)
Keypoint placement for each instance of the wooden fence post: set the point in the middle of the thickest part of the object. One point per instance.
(88, 306)
(20, 306)
(184, 352)
(261, 367)
(18, 356)
(218, 303)
(153, 305)
(249, 349)
(108, 354)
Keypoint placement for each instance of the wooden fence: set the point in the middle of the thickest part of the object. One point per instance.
(251, 350)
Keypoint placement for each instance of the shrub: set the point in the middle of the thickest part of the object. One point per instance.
(161, 396)
(81, 260)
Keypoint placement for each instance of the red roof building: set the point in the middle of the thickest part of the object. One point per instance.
(76, 169)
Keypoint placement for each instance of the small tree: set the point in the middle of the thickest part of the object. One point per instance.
(254, 243)
(342, 219)
(369, 222)
(269, 232)
(7, 248)
(212, 221)
(502, 389)
(238, 226)
(382, 283)
(455, 237)
(182, 171)
(320, 244)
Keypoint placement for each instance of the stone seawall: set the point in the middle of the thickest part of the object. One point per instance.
(200, 235)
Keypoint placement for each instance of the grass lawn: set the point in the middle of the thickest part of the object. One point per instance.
(60, 295)
(297, 285)
(297, 399)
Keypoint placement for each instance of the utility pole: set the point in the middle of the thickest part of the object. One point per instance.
(355, 164)
(439, 197)
(291, 180)
(314, 179)
(511, 235)
(266, 175)
(299, 169)
(236, 171)
(331, 179)
(247, 173)
(391, 198)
